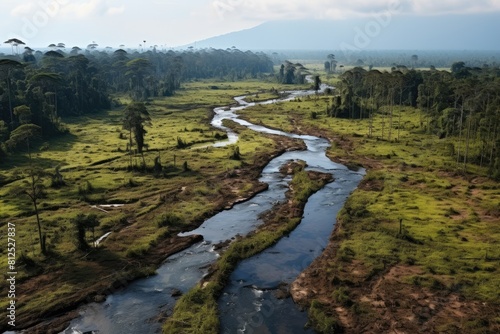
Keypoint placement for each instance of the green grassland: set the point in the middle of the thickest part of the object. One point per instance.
(94, 160)
(450, 219)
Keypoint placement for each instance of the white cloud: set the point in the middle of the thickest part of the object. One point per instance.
(80, 9)
(432, 7)
(264, 10)
(83, 9)
(22, 9)
(115, 10)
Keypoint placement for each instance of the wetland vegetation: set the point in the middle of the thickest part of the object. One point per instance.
(95, 142)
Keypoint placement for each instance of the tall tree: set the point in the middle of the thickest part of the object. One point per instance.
(14, 42)
(50, 82)
(136, 116)
(34, 189)
(137, 69)
(82, 224)
(6, 68)
(333, 62)
(317, 83)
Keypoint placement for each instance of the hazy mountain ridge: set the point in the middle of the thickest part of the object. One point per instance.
(452, 32)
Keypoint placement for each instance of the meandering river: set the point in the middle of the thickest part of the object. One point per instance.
(249, 303)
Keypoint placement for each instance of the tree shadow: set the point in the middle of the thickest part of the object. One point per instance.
(20, 158)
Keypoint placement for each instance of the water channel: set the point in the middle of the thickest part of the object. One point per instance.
(249, 304)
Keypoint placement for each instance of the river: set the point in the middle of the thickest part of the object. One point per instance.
(249, 302)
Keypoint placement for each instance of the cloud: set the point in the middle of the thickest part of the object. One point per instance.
(80, 9)
(115, 10)
(22, 10)
(84, 9)
(264, 10)
(432, 7)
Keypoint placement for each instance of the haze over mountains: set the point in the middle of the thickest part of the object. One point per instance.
(401, 32)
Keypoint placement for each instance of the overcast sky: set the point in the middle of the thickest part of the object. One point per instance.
(175, 22)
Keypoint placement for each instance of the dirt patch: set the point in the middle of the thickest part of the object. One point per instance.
(371, 185)
(387, 303)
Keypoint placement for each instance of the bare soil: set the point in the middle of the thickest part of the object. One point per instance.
(386, 303)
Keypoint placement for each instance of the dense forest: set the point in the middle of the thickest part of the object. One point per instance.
(38, 88)
(463, 104)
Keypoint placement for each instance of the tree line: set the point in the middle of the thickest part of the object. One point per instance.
(40, 88)
(462, 104)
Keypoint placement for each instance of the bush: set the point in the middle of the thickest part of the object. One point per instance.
(132, 183)
(86, 188)
(137, 251)
(341, 296)
(181, 143)
(169, 219)
(321, 321)
(236, 155)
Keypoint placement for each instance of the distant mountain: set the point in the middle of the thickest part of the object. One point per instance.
(400, 32)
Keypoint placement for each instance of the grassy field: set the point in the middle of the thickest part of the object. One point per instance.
(417, 221)
(196, 182)
(416, 213)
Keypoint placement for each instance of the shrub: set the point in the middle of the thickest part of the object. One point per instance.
(341, 296)
(86, 188)
(181, 143)
(321, 321)
(137, 251)
(236, 155)
(169, 219)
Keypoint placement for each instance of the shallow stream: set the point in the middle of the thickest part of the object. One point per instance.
(249, 302)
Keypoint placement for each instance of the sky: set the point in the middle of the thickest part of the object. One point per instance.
(170, 23)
